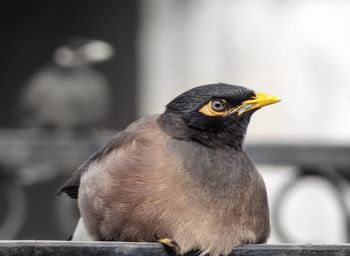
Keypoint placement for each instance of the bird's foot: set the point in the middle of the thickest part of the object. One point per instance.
(170, 244)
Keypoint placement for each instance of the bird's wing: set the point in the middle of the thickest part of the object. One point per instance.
(71, 187)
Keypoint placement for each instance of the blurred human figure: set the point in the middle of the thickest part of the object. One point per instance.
(68, 92)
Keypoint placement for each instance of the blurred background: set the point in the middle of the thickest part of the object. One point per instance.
(72, 73)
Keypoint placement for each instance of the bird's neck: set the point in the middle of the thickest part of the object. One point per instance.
(231, 138)
(219, 171)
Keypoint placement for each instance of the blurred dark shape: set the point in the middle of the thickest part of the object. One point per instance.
(69, 92)
(32, 30)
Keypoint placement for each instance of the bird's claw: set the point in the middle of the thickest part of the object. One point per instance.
(168, 243)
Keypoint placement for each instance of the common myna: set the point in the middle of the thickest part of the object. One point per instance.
(181, 178)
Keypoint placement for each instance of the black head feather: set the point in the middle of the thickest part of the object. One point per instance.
(183, 120)
(193, 99)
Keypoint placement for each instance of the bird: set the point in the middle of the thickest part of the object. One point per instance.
(68, 92)
(181, 178)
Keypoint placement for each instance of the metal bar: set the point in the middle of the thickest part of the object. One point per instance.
(59, 248)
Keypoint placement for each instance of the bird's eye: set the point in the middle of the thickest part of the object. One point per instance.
(215, 107)
(218, 105)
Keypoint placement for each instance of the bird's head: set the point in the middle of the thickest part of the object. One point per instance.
(216, 115)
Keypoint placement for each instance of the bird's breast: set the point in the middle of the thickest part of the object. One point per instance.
(227, 195)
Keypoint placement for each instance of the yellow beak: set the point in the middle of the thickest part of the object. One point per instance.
(258, 101)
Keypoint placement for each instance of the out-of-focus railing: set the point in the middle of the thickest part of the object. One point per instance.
(30, 156)
(33, 164)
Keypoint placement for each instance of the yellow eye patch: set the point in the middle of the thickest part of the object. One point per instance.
(219, 107)
(215, 108)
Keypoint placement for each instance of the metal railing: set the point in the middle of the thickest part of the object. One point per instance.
(62, 248)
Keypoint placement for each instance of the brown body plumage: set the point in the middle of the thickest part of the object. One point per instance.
(142, 191)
